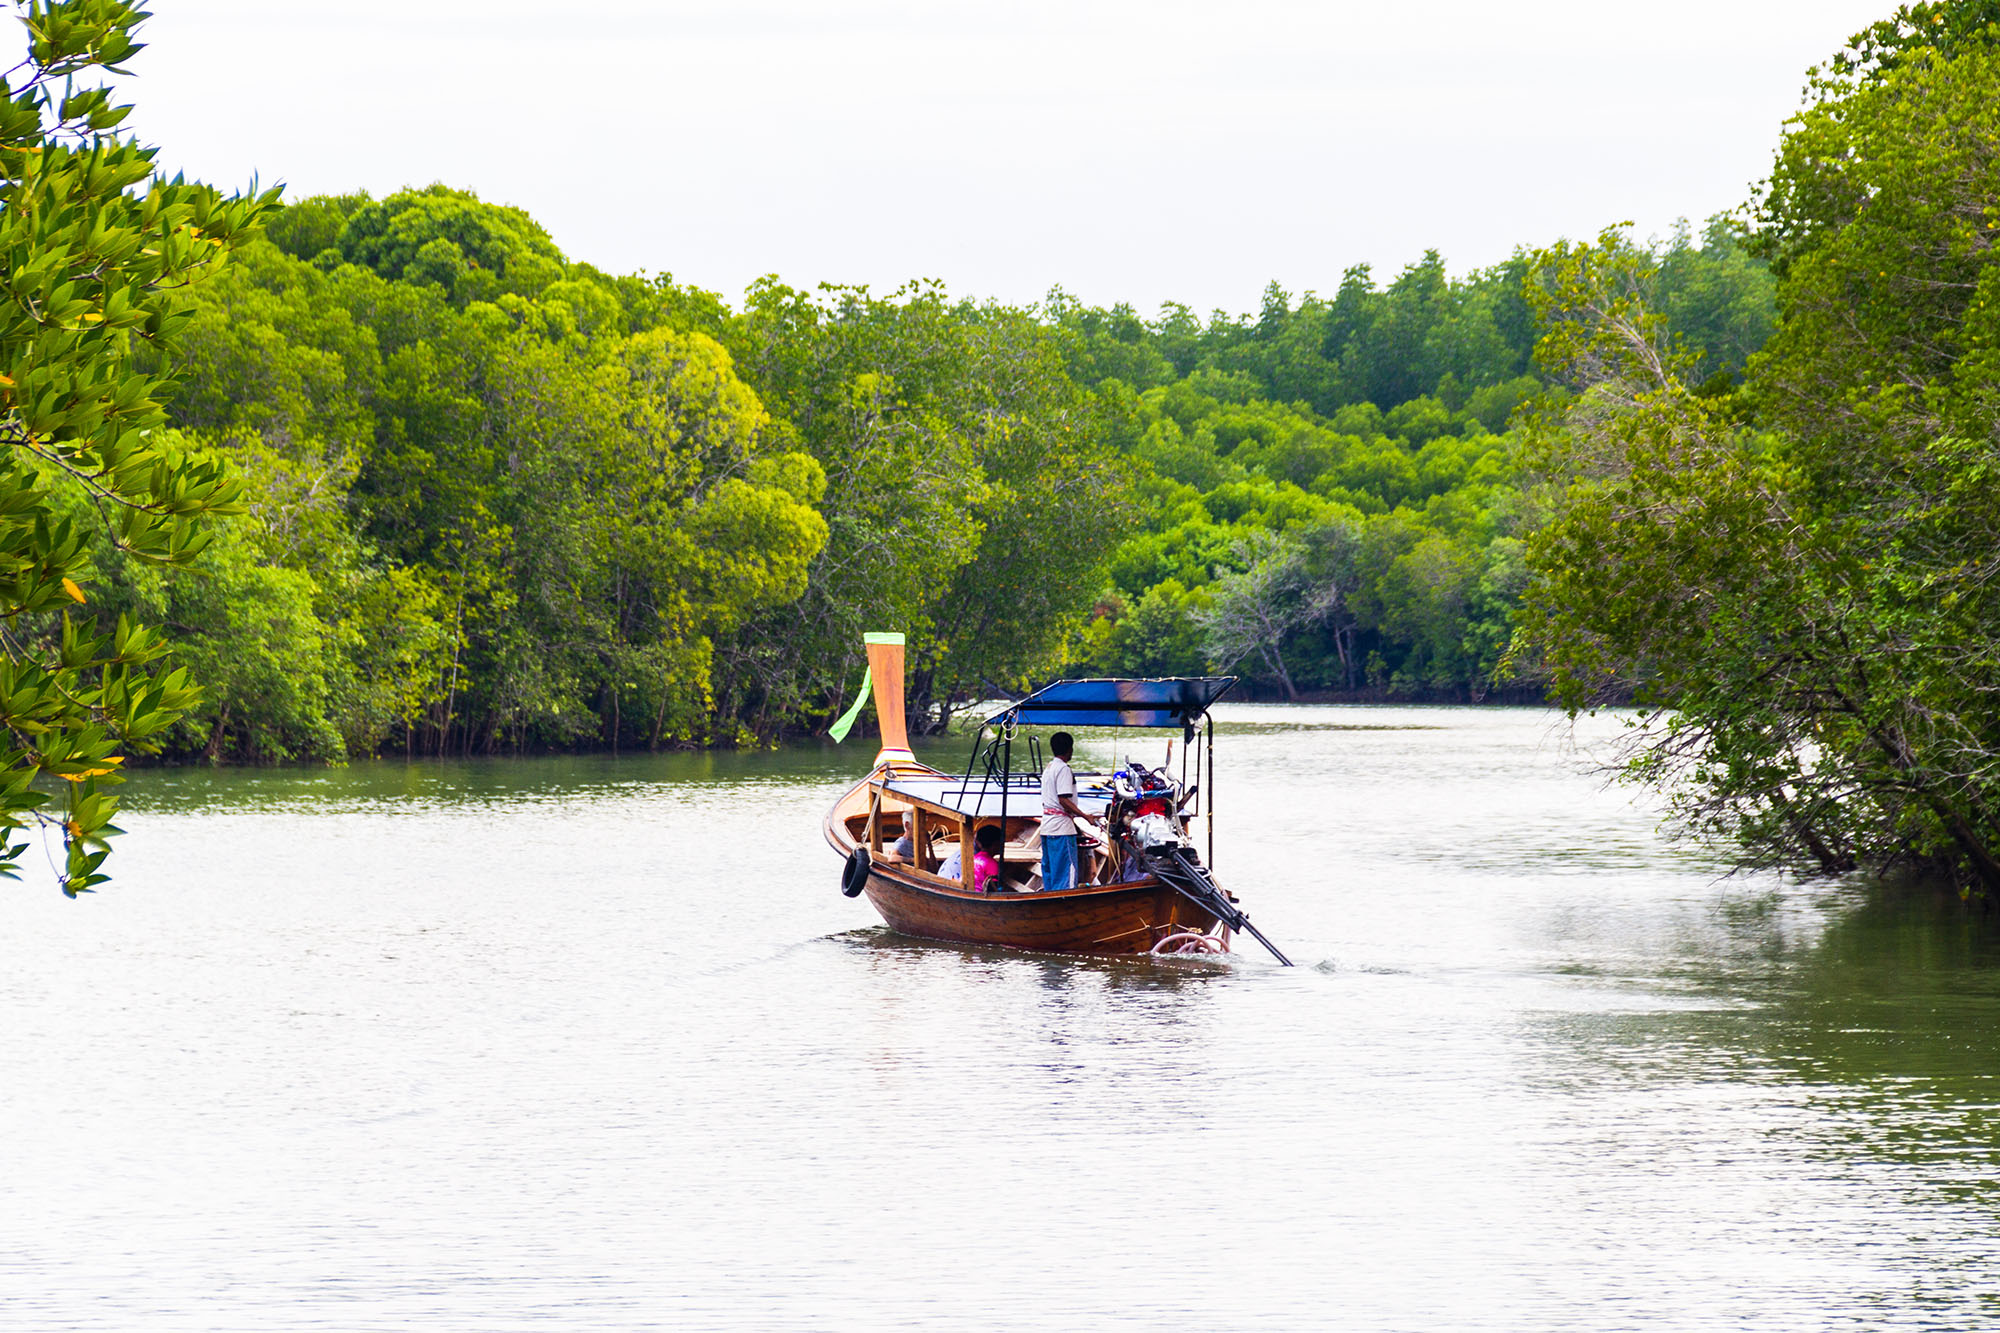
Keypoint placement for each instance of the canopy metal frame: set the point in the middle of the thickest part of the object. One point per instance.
(1152, 704)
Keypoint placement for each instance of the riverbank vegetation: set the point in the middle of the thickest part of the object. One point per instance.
(1798, 579)
(456, 492)
(498, 500)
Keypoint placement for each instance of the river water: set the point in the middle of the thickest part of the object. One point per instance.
(597, 1044)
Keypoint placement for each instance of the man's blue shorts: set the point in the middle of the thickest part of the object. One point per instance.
(1059, 862)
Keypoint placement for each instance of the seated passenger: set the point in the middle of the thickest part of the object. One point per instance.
(988, 843)
(895, 822)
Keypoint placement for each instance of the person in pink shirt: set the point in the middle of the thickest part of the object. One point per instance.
(986, 856)
(986, 847)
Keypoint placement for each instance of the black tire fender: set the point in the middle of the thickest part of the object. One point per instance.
(855, 877)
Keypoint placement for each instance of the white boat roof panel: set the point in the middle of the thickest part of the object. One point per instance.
(980, 799)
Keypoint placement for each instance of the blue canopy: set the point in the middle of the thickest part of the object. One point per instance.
(1176, 701)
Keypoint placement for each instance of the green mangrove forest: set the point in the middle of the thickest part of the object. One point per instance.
(320, 478)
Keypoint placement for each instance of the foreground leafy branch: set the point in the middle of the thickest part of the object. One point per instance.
(96, 256)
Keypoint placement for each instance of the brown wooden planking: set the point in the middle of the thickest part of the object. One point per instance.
(1115, 919)
(1097, 919)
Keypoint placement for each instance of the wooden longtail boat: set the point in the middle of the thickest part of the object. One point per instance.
(1144, 900)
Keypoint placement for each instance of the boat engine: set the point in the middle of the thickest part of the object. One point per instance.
(1151, 831)
(1146, 808)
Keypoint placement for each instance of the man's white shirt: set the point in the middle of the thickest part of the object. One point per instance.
(1057, 782)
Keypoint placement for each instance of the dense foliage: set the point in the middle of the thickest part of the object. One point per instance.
(454, 491)
(98, 257)
(497, 499)
(1331, 491)
(1800, 580)
(500, 500)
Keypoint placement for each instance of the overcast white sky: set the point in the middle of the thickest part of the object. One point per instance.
(1129, 151)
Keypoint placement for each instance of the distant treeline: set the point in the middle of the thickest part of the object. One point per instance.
(503, 501)
(1330, 494)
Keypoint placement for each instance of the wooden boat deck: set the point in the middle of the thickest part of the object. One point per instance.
(1119, 918)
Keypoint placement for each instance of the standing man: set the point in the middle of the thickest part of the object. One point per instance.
(1059, 815)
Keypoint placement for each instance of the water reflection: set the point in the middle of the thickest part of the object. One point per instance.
(1848, 1077)
(1054, 971)
(1895, 1019)
(596, 1043)
(390, 786)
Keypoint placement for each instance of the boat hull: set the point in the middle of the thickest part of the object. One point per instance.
(1119, 919)
(1094, 919)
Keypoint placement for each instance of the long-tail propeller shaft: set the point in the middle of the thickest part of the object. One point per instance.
(1191, 879)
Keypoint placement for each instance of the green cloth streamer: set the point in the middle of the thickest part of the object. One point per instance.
(840, 729)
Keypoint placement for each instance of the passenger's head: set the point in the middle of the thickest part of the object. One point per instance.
(990, 839)
(1060, 744)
